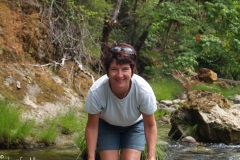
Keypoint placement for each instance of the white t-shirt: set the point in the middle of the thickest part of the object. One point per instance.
(121, 112)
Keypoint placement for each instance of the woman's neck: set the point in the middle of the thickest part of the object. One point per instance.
(121, 93)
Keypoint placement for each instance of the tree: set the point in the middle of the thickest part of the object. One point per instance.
(109, 23)
(176, 25)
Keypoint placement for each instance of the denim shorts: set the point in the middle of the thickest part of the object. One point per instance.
(112, 137)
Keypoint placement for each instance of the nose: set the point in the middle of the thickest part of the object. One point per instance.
(119, 73)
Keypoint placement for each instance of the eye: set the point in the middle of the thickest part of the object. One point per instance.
(126, 69)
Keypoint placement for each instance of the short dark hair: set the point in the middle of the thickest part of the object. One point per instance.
(121, 56)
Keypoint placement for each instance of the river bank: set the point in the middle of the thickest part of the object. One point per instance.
(173, 150)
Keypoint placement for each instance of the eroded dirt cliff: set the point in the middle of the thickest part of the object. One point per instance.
(25, 51)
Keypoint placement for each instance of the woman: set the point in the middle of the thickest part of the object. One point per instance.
(120, 108)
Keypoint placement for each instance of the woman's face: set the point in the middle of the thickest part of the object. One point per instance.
(119, 75)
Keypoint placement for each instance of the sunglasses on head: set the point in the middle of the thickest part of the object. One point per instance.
(127, 50)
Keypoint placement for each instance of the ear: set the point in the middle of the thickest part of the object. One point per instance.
(133, 70)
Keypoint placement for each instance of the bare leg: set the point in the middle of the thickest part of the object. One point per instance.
(109, 155)
(131, 154)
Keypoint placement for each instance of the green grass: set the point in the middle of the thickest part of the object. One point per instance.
(80, 139)
(24, 129)
(49, 132)
(69, 122)
(166, 88)
(65, 123)
(12, 127)
(160, 155)
(161, 113)
(190, 130)
(227, 91)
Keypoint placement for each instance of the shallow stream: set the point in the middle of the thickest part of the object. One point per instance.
(173, 150)
(206, 151)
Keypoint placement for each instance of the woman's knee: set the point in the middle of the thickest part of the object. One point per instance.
(109, 155)
(130, 154)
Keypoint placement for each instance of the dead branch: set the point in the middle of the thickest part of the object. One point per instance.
(68, 37)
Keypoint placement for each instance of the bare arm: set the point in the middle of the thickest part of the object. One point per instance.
(150, 129)
(91, 134)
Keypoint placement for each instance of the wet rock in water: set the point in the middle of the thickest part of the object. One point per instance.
(207, 117)
(201, 150)
(167, 102)
(189, 139)
(237, 98)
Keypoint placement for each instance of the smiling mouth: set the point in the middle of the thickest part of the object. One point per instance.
(119, 80)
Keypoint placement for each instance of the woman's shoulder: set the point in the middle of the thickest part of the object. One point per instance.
(140, 82)
(100, 83)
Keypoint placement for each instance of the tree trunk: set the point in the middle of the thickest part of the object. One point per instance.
(108, 24)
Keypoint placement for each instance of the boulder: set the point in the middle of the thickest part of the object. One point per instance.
(207, 75)
(207, 117)
(237, 98)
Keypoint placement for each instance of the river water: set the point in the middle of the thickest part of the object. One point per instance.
(69, 153)
(205, 151)
(172, 149)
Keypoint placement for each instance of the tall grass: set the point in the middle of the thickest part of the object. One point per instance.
(49, 132)
(69, 122)
(159, 154)
(80, 139)
(12, 127)
(166, 88)
(226, 91)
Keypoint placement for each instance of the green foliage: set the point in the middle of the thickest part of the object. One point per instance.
(12, 127)
(227, 91)
(190, 130)
(166, 88)
(213, 55)
(223, 24)
(161, 113)
(160, 155)
(147, 65)
(49, 132)
(186, 60)
(175, 25)
(187, 129)
(150, 72)
(170, 28)
(24, 129)
(69, 122)
(80, 140)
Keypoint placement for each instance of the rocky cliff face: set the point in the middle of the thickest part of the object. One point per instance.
(25, 51)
